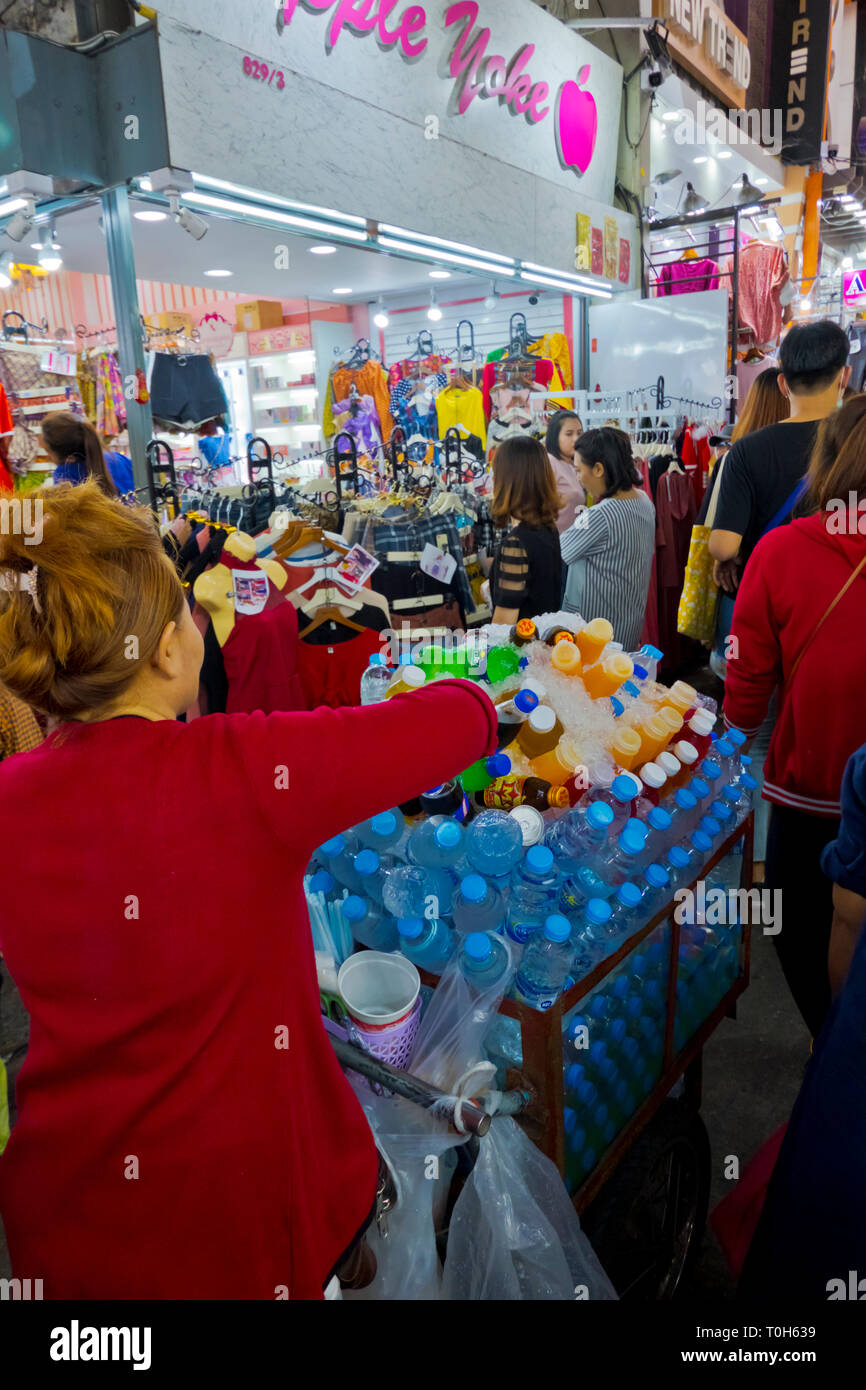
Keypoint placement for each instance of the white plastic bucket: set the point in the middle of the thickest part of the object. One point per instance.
(378, 988)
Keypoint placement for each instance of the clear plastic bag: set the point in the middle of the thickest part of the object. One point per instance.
(417, 1144)
(514, 1232)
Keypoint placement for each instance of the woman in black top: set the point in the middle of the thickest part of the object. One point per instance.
(526, 579)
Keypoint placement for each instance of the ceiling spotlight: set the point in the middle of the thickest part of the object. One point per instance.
(218, 274)
(322, 250)
(21, 225)
(146, 185)
(196, 226)
(700, 159)
(150, 215)
(847, 263)
(746, 192)
(434, 313)
(342, 289)
(380, 318)
(49, 255)
(672, 116)
(440, 274)
(761, 183)
(693, 202)
(724, 154)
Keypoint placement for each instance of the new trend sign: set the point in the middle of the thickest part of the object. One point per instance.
(477, 70)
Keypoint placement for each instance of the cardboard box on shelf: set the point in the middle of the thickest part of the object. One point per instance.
(173, 320)
(259, 313)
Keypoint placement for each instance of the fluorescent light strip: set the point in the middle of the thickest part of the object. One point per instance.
(285, 219)
(427, 241)
(566, 275)
(564, 285)
(254, 196)
(429, 253)
(12, 206)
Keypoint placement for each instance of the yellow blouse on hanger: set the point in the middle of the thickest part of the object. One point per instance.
(555, 347)
(455, 405)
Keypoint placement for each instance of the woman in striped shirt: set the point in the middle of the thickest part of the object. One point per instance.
(609, 546)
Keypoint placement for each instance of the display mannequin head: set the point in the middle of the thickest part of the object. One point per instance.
(104, 629)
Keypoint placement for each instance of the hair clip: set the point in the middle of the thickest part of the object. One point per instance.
(15, 581)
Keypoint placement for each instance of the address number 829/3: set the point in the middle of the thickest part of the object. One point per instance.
(263, 73)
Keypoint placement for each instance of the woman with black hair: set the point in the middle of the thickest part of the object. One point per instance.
(563, 432)
(609, 547)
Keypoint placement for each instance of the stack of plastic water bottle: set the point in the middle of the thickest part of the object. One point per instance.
(613, 1045)
(604, 869)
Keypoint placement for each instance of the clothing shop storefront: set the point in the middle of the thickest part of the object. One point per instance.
(497, 132)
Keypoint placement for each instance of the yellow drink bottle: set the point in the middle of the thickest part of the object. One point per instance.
(407, 678)
(566, 658)
(626, 748)
(593, 639)
(558, 764)
(606, 676)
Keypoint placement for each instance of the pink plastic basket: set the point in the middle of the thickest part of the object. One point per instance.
(393, 1043)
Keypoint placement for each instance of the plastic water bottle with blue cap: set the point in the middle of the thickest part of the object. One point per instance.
(655, 881)
(372, 870)
(337, 855)
(478, 905)
(428, 944)
(323, 881)
(738, 798)
(711, 828)
(723, 812)
(546, 964)
(369, 925)
(627, 911)
(410, 891)
(494, 846)
(384, 833)
(619, 797)
(536, 885)
(578, 834)
(711, 772)
(592, 937)
(615, 864)
(484, 960)
(681, 808)
(658, 826)
(437, 843)
(700, 790)
(725, 754)
(375, 680)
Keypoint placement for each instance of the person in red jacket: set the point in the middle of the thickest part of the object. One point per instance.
(184, 1130)
(800, 624)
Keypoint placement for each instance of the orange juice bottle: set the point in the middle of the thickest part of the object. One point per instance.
(654, 736)
(680, 697)
(566, 658)
(593, 639)
(607, 675)
(540, 733)
(626, 748)
(558, 764)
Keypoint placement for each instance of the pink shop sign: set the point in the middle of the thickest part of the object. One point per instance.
(476, 69)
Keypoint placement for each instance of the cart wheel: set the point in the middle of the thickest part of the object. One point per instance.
(647, 1223)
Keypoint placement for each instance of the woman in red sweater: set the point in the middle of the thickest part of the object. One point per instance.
(800, 624)
(184, 1130)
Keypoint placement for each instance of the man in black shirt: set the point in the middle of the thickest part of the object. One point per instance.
(759, 485)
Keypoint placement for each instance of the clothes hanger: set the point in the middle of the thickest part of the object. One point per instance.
(331, 614)
(690, 254)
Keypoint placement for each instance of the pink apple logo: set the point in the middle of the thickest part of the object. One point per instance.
(576, 123)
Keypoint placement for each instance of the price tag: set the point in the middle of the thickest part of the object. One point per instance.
(437, 564)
